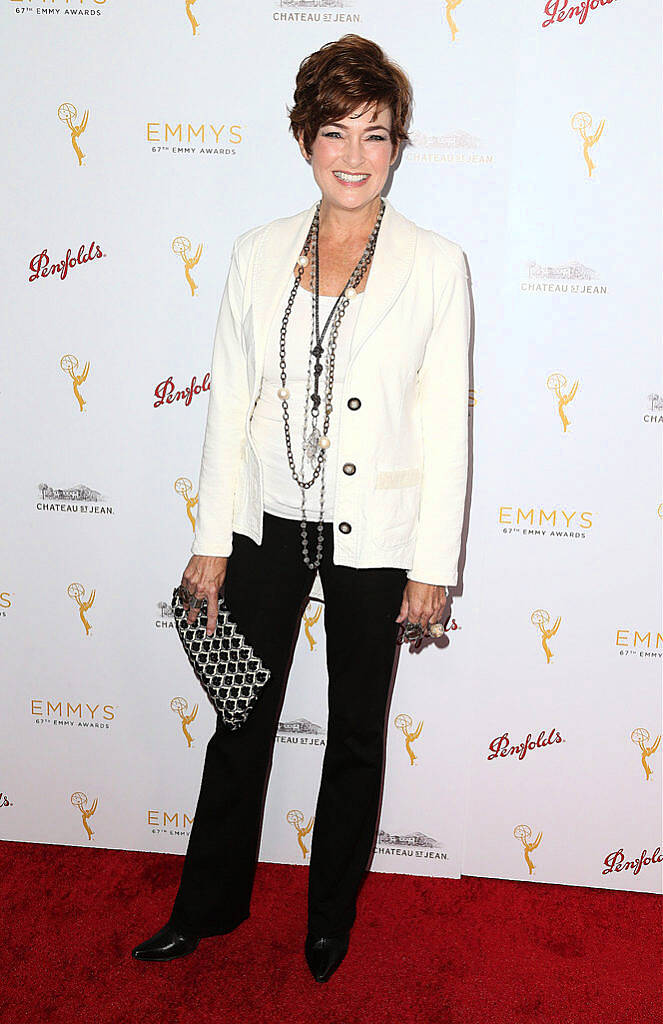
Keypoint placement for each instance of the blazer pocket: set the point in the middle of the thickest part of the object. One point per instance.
(396, 505)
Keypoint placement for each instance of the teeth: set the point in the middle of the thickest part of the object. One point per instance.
(350, 177)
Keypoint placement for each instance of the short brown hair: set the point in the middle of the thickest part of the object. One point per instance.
(342, 75)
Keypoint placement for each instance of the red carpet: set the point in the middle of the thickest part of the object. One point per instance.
(422, 951)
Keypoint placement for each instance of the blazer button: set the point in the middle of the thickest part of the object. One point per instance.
(349, 468)
(344, 527)
(353, 403)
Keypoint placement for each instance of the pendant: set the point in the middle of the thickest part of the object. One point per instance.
(311, 446)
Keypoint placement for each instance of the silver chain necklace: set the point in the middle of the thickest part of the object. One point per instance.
(315, 443)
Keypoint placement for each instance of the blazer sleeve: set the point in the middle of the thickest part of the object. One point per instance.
(228, 402)
(443, 390)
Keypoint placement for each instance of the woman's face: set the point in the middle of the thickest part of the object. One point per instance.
(351, 158)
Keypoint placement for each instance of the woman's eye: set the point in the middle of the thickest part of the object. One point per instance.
(379, 138)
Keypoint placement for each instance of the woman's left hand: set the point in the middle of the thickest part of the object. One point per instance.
(422, 603)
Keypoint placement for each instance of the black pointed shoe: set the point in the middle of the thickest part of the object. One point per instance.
(324, 954)
(167, 944)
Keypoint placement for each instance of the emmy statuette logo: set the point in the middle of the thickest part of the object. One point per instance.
(180, 706)
(557, 382)
(524, 833)
(309, 619)
(404, 723)
(181, 246)
(642, 740)
(80, 800)
(541, 619)
(183, 486)
(67, 113)
(296, 819)
(449, 7)
(69, 364)
(581, 122)
(76, 592)
(188, 4)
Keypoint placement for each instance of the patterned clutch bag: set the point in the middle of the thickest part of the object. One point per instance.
(228, 669)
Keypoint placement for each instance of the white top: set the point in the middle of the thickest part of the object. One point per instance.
(282, 494)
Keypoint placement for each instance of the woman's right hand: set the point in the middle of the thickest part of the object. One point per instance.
(204, 577)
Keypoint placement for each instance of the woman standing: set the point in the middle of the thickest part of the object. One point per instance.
(336, 443)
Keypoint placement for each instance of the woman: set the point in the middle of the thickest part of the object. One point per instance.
(336, 444)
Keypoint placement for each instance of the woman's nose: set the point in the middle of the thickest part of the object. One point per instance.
(354, 152)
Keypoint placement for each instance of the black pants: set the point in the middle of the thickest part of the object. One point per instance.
(267, 588)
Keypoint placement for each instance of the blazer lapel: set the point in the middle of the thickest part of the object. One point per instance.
(390, 268)
(280, 246)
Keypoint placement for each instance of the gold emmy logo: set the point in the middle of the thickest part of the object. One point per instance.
(67, 113)
(79, 800)
(449, 6)
(181, 246)
(581, 122)
(641, 737)
(76, 592)
(404, 723)
(295, 818)
(556, 382)
(642, 641)
(524, 833)
(180, 705)
(69, 364)
(541, 618)
(184, 486)
(190, 15)
(310, 620)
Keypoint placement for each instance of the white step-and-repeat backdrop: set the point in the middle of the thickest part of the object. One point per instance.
(140, 141)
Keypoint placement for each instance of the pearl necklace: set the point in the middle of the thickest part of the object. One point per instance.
(316, 443)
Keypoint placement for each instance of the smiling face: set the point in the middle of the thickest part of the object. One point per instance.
(351, 158)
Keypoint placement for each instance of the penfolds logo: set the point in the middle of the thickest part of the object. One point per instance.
(41, 265)
(166, 392)
(562, 10)
(501, 746)
(616, 861)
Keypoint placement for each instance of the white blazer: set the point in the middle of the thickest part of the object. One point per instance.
(403, 406)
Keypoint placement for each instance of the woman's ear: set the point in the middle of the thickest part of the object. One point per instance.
(302, 147)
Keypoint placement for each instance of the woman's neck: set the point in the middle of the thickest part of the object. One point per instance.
(344, 227)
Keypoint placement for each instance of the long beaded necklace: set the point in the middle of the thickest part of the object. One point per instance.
(316, 442)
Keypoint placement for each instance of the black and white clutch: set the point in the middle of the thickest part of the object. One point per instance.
(229, 670)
